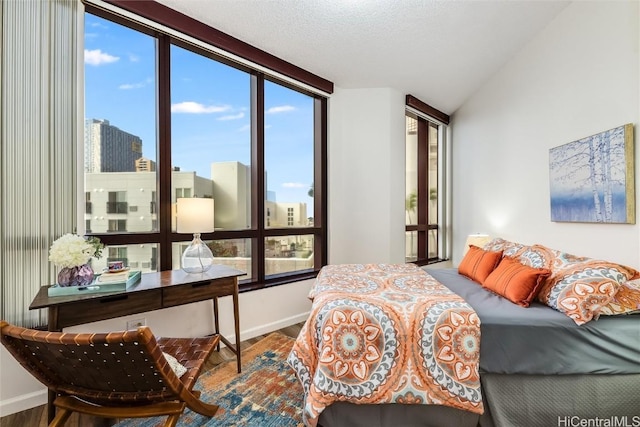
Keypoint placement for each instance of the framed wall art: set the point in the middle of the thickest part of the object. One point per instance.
(592, 179)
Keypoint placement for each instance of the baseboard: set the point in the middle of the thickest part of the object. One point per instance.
(23, 402)
(270, 327)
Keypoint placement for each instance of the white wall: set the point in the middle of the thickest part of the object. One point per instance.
(366, 176)
(578, 77)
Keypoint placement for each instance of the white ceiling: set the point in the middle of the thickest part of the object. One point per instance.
(439, 51)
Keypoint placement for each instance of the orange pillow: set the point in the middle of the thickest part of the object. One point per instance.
(516, 282)
(478, 263)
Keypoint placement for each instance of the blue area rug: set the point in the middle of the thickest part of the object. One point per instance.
(265, 394)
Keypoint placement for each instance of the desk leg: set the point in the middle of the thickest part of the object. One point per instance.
(216, 323)
(236, 318)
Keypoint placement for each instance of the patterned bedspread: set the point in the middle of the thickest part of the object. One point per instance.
(387, 333)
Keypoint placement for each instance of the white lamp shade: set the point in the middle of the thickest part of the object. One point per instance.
(194, 215)
(478, 240)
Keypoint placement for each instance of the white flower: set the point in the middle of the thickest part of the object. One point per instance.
(72, 250)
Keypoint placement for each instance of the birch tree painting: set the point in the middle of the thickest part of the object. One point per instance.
(592, 179)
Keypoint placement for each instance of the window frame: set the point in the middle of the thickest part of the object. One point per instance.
(426, 117)
(164, 237)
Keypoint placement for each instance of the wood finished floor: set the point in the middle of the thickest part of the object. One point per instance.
(37, 417)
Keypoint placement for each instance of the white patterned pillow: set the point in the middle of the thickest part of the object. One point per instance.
(581, 289)
(625, 301)
(176, 366)
(508, 248)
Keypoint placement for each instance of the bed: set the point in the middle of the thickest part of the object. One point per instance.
(536, 366)
(387, 333)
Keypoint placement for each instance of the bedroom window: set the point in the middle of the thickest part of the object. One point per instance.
(167, 118)
(424, 201)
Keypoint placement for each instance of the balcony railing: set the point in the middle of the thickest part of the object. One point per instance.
(117, 207)
(152, 207)
(88, 207)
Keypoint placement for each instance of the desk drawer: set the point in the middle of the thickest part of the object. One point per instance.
(108, 307)
(183, 294)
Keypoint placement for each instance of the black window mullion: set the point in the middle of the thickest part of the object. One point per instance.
(164, 151)
(258, 195)
(320, 216)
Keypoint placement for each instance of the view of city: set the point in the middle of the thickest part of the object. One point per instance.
(210, 150)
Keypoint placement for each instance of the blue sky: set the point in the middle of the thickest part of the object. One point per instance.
(210, 105)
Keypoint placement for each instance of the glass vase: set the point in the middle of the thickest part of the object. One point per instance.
(81, 275)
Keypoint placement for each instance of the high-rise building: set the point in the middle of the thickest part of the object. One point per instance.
(145, 165)
(108, 148)
(232, 192)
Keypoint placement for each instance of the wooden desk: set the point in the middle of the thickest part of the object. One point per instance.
(154, 291)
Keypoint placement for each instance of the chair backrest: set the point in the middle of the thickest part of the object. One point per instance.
(122, 366)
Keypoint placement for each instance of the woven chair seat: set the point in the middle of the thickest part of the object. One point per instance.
(114, 375)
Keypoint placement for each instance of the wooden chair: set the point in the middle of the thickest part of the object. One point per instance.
(114, 375)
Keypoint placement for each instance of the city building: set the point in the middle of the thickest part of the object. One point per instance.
(108, 148)
(119, 202)
(231, 191)
(145, 165)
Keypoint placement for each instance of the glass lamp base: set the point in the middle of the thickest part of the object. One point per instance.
(197, 258)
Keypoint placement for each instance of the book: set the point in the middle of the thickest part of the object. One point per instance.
(127, 277)
(121, 276)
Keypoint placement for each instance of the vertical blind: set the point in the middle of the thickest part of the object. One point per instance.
(39, 116)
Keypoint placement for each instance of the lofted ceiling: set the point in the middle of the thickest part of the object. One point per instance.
(439, 51)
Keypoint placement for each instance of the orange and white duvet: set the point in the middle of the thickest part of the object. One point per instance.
(387, 333)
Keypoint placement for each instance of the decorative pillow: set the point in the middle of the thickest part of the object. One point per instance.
(581, 288)
(516, 282)
(559, 260)
(538, 256)
(478, 263)
(625, 301)
(176, 366)
(508, 248)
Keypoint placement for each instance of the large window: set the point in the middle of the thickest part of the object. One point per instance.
(167, 119)
(423, 189)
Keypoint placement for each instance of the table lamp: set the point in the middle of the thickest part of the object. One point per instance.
(195, 215)
(478, 240)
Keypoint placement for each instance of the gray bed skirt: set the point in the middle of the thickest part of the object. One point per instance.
(344, 414)
(532, 400)
(511, 401)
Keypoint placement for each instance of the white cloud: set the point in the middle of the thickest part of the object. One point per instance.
(134, 58)
(127, 86)
(244, 128)
(240, 115)
(280, 109)
(98, 57)
(294, 185)
(191, 107)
